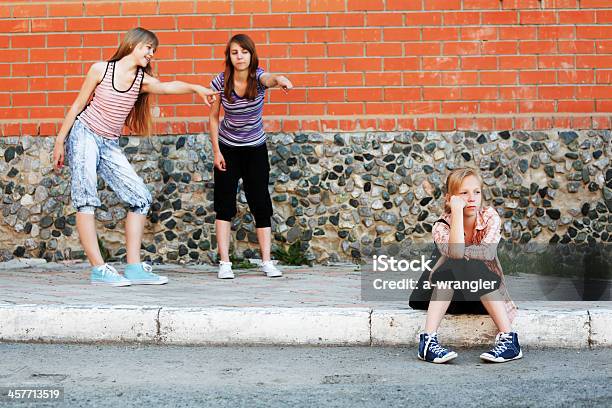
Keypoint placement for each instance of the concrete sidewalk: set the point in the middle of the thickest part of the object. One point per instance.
(322, 305)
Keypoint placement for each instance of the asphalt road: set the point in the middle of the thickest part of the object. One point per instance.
(152, 376)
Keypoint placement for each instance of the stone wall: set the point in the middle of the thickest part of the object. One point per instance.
(343, 196)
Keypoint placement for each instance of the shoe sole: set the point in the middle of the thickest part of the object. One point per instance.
(115, 284)
(450, 356)
(145, 282)
(225, 277)
(500, 359)
(274, 276)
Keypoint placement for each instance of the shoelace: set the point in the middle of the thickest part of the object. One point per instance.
(147, 268)
(502, 343)
(435, 347)
(268, 265)
(108, 271)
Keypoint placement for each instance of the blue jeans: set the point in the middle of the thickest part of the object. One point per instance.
(88, 155)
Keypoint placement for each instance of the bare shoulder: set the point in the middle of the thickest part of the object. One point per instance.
(97, 70)
(99, 67)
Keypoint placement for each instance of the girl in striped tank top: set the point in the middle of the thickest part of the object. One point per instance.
(239, 145)
(120, 89)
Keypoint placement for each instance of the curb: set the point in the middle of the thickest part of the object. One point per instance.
(314, 326)
(289, 326)
(74, 324)
(550, 328)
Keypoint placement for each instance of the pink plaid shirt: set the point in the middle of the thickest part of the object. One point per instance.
(487, 235)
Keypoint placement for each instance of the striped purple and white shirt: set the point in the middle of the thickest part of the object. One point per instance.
(105, 115)
(243, 122)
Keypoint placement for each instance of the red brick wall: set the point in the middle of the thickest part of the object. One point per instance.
(356, 64)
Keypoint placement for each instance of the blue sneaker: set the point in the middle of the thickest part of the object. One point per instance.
(142, 274)
(430, 350)
(507, 348)
(107, 275)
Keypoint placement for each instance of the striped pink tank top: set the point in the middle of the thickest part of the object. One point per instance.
(109, 108)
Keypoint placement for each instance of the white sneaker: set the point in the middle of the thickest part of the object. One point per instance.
(225, 270)
(270, 270)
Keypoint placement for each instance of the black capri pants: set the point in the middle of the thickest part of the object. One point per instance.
(249, 163)
(468, 272)
(458, 270)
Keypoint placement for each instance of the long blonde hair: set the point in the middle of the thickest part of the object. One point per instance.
(454, 180)
(139, 120)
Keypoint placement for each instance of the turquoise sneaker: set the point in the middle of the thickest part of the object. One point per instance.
(107, 275)
(142, 274)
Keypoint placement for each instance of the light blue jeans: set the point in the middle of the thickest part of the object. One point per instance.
(90, 155)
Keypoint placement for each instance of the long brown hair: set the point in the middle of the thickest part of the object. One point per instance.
(247, 43)
(139, 120)
(454, 180)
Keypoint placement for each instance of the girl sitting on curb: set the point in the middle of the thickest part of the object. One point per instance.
(467, 236)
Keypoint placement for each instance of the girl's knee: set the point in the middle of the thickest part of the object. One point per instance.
(262, 212)
(225, 206)
(142, 203)
(86, 209)
(144, 210)
(262, 222)
(225, 214)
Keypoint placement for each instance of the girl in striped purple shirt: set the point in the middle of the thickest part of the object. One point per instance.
(120, 89)
(239, 146)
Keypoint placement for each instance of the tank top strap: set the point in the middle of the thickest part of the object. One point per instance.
(110, 72)
(140, 78)
(107, 74)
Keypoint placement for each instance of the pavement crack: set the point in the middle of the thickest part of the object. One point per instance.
(158, 326)
(370, 325)
(590, 328)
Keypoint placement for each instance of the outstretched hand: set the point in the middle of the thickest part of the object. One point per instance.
(284, 83)
(208, 95)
